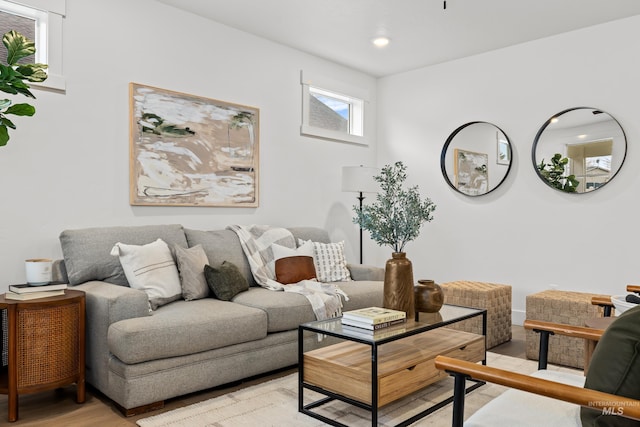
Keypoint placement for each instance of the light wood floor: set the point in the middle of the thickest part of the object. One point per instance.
(58, 408)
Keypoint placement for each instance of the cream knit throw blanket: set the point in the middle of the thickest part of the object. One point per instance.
(256, 241)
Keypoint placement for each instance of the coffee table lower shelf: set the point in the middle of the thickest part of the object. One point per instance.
(346, 371)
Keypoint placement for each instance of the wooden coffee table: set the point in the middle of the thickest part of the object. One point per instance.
(370, 371)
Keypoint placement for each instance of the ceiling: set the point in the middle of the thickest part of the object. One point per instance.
(422, 32)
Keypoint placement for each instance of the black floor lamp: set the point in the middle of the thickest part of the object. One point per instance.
(359, 179)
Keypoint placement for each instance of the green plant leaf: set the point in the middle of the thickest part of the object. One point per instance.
(7, 122)
(18, 46)
(12, 80)
(21, 110)
(33, 72)
(398, 213)
(4, 135)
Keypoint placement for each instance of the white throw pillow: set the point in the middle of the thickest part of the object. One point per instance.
(150, 268)
(330, 262)
(279, 251)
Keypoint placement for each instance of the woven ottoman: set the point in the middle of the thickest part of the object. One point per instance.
(568, 308)
(493, 297)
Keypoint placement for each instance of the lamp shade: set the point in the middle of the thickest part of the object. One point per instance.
(359, 179)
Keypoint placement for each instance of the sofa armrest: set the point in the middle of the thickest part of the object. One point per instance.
(365, 272)
(106, 304)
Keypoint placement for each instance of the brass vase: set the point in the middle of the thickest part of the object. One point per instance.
(428, 296)
(398, 284)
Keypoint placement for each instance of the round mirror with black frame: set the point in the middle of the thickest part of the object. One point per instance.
(579, 150)
(476, 158)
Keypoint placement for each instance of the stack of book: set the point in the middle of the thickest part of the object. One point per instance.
(373, 318)
(27, 292)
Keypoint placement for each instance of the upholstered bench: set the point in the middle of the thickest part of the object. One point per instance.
(495, 298)
(565, 307)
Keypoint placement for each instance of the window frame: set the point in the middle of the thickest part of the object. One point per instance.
(355, 97)
(49, 16)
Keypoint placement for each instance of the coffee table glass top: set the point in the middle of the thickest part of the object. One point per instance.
(448, 314)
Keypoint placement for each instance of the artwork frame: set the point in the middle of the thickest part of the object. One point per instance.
(188, 150)
(503, 151)
(471, 172)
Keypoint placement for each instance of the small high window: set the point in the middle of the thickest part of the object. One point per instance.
(40, 21)
(327, 113)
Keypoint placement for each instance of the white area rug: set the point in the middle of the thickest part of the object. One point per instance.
(275, 403)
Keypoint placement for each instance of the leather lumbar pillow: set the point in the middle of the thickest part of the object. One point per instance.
(294, 269)
(615, 368)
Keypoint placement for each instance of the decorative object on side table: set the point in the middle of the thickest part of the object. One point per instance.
(12, 80)
(428, 296)
(38, 271)
(394, 220)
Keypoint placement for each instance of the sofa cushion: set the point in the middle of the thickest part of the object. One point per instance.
(284, 310)
(294, 269)
(225, 280)
(150, 268)
(220, 246)
(280, 252)
(314, 234)
(191, 262)
(185, 327)
(330, 262)
(287, 310)
(87, 251)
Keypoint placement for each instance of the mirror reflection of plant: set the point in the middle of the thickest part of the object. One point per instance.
(12, 80)
(396, 216)
(554, 172)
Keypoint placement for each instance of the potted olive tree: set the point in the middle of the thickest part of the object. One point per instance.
(13, 78)
(395, 219)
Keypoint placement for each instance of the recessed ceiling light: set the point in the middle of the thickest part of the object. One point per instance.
(380, 41)
(583, 136)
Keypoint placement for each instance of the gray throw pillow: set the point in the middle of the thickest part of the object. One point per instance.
(226, 280)
(615, 369)
(191, 262)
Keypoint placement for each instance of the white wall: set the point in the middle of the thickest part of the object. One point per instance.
(524, 233)
(68, 167)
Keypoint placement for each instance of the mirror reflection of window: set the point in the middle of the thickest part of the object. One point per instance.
(590, 144)
(590, 163)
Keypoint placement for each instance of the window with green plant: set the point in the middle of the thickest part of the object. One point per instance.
(13, 80)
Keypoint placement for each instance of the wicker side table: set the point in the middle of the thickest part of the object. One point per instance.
(494, 297)
(565, 307)
(46, 347)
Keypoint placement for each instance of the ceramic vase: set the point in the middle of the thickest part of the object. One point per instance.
(398, 284)
(428, 296)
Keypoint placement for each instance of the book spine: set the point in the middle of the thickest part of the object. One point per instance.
(372, 327)
(387, 324)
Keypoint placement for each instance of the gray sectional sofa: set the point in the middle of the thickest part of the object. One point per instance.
(138, 359)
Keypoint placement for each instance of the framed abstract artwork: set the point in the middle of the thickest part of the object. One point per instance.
(187, 150)
(471, 172)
